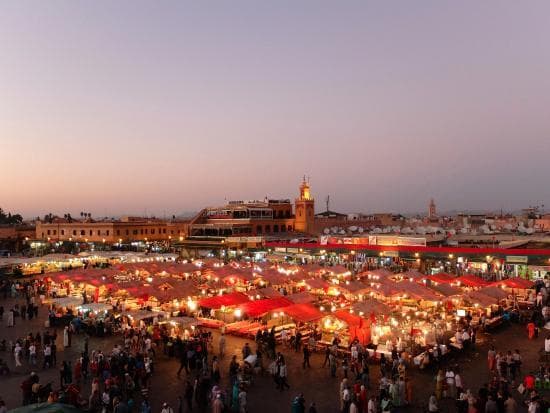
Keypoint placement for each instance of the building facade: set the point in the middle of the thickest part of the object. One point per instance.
(124, 230)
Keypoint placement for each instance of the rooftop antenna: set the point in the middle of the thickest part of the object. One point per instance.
(327, 201)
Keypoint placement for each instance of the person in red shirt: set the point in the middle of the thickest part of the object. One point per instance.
(529, 382)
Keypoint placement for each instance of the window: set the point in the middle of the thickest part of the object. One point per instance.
(259, 229)
(152, 231)
(141, 231)
(107, 232)
(127, 232)
(172, 231)
(275, 228)
(117, 232)
(91, 233)
(82, 232)
(48, 232)
(62, 232)
(98, 232)
(74, 232)
(135, 231)
(164, 230)
(54, 232)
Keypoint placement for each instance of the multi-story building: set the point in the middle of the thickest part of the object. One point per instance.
(257, 218)
(127, 229)
(244, 218)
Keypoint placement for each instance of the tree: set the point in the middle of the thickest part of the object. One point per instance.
(9, 218)
(49, 218)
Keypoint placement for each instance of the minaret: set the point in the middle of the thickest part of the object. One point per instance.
(431, 209)
(305, 209)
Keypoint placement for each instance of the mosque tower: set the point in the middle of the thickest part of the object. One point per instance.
(431, 210)
(304, 209)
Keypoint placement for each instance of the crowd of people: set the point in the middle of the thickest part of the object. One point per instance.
(119, 380)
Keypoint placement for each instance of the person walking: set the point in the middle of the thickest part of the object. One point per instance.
(166, 408)
(32, 354)
(17, 354)
(439, 384)
(491, 358)
(188, 395)
(531, 330)
(282, 373)
(66, 340)
(450, 379)
(332, 364)
(217, 405)
(327, 357)
(243, 400)
(307, 354)
(221, 345)
(432, 404)
(215, 370)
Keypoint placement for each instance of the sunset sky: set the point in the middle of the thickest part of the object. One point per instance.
(122, 107)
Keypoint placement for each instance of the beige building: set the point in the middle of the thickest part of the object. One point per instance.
(123, 230)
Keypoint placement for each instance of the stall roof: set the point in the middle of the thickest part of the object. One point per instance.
(471, 281)
(479, 298)
(494, 292)
(380, 273)
(415, 291)
(303, 312)
(337, 270)
(446, 290)
(257, 308)
(440, 278)
(371, 306)
(273, 277)
(414, 274)
(517, 282)
(227, 300)
(238, 274)
(267, 292)
(317, 283)
(349, 318)
(315, 269)
(353, 287)
(302, 297)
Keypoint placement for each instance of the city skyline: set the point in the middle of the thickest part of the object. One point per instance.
(121, 108)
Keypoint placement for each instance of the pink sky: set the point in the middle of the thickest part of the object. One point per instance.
(121, 107)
